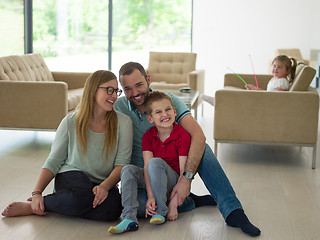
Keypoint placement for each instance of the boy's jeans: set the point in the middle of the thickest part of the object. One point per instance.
(134, 195)
(210, 171)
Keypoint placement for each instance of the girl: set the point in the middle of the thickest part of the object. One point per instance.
(283, 72)
(87, 155)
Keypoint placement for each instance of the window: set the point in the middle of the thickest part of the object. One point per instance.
(140, 26)
(11, 27)
(72, 35)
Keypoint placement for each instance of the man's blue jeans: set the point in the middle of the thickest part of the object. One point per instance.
(217, 183)
(211, 173)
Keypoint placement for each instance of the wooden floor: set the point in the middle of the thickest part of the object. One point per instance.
(276, 185)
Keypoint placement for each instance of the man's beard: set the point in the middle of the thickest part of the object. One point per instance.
(143, 96)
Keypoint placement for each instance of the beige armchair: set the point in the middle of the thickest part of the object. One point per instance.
(174, 70)
(290, 52)
(262, 117)
(34, 98)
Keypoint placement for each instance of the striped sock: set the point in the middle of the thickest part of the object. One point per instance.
(125, 225)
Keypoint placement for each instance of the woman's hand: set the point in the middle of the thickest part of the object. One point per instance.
(100, 193)
(151, 207)
(37, 205)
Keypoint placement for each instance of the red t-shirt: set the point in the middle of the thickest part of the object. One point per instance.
(177, 144)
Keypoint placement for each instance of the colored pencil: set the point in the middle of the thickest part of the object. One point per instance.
(255, 77)
(238, 76)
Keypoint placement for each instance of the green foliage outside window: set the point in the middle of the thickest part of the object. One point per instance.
(71, 27)
(148, 23)
(11, 27)
(136, 24)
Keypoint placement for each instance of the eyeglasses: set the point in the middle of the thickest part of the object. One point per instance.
(111, 90)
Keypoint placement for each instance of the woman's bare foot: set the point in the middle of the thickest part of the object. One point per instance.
(16, 209)
(172, 214)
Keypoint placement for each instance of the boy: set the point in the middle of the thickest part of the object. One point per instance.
(165, 149)
(163, 163)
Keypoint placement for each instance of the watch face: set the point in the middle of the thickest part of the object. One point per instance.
(188, 175)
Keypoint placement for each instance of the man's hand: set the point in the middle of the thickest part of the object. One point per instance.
(182, 189)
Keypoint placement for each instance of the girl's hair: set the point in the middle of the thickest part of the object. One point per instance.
(85, 111)
(155, 96)
(289, 63)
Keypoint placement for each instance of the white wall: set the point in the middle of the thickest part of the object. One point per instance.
(226, 32)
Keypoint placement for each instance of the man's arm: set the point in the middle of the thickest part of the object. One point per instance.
(197, 146)
(182, 164)
(198, 141)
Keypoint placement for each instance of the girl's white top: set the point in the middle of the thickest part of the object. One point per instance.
(278, 83)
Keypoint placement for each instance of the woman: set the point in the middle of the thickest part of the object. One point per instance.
(89, 150)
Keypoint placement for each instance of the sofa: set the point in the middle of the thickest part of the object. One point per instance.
(34, 98)
(262, 117)
(175, 70)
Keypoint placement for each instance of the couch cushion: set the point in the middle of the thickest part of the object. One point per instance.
(13, 68)
(74, 97)
(165, 85)
(29, 67)
(37, 67)
(171, 67)
(303, 78)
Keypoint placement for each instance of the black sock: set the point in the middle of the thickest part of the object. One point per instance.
(237, 218)
(206, 200)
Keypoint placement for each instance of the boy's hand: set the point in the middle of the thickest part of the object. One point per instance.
(151, 207)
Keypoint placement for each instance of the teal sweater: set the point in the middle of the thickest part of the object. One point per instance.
(66, 156)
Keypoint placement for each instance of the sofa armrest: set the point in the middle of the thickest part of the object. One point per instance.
(73, 79)
(261, 116)
(307, 62)
(196, 80)
(37, 105)
(233, 80)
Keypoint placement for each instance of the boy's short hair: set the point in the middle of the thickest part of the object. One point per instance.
(155, 96)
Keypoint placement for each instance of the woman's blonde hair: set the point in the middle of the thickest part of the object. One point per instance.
(85, 112)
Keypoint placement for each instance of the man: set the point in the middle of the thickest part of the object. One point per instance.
(135, 83)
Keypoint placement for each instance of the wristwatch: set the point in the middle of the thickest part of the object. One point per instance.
(188, 175)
